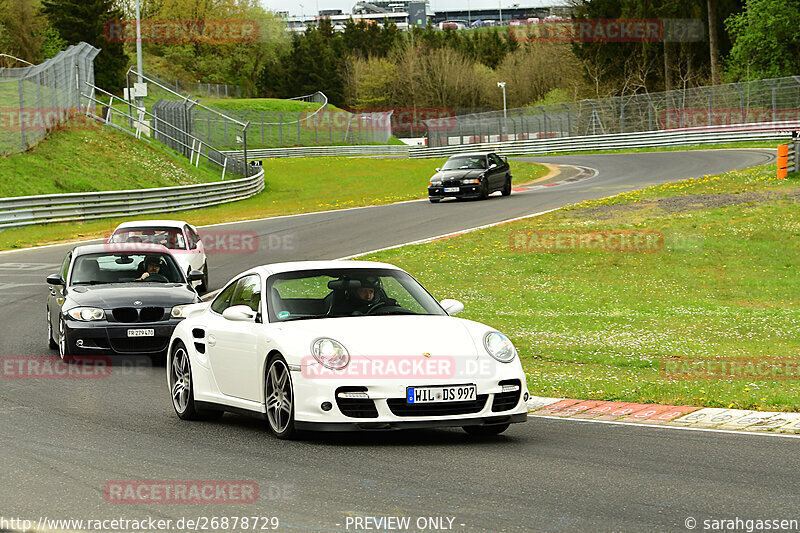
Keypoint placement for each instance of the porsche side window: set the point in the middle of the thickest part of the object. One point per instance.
(223, 300)
(248, 292)
(396, 291)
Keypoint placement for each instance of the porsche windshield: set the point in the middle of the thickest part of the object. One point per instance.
(465, 162)
(95, 269)
(334, 293)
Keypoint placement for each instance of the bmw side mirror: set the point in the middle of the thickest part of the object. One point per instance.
(452, 307)
(195, 275)
(55, 279)
(239, 313)
(493, 165)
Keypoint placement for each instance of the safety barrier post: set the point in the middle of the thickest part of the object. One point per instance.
(783, 160)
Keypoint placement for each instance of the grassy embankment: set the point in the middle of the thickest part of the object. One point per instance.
(605, 325)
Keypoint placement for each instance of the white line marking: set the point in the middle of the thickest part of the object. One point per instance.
(663, 426)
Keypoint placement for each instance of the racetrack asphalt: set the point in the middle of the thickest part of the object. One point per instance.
(63, 440)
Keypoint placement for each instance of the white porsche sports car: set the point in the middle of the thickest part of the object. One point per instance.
(342, 345)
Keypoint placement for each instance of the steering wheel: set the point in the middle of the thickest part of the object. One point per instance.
(375, 306)
(156, 277)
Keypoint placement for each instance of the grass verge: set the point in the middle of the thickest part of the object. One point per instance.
(608, 325)
(295, 185)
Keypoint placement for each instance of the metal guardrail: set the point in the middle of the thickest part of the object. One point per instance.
(27, 210)
(642, 139)
(322, 151)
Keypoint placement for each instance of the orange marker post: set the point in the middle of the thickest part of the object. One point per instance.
(783, 160)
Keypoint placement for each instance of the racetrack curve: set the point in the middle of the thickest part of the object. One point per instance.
(64, 439)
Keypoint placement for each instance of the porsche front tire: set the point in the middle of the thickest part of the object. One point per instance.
(181, 388)
(279, 398)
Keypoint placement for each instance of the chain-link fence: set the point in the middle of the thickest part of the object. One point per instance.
(734, 103)
(35, 99)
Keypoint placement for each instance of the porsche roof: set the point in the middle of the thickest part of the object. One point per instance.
(153, 224)
(276, 268)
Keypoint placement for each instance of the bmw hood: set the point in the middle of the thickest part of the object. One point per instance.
(456, 174)
(382, 336)
(125, 294)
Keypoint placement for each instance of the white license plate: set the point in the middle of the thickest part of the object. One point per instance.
(453, 393)
(451, 189)
(141, 332)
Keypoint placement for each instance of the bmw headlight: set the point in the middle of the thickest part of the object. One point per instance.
(87, 314)
(178, 311)
(499, 347)
(470, 181)
(436, 181)
(330, 353)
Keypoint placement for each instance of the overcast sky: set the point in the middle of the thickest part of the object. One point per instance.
(310, 7)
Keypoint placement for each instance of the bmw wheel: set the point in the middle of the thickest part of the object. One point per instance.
(279, 398)
(179, 379)
(63, 344)
(486, 431)
(53, 344)
(485, 190)
(507, 187)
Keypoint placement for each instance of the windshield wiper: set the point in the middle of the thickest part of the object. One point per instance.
(93, 282)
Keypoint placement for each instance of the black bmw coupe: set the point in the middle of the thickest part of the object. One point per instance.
(472, 175)
(117, 299)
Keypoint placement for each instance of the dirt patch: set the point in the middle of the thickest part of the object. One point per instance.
(692, 202)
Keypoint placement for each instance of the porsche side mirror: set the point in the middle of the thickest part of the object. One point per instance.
(55, 279)
(453, 307)
(195, 275)
(438, 170)
(239, 313)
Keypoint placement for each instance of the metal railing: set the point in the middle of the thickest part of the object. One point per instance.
(769, 100)
(322, 151)
(27, 210)
(708, 135)
(209, 90)
(35, 99)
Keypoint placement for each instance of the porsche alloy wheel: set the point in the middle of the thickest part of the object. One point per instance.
(181, 388)
(180, 382)
(279, 399)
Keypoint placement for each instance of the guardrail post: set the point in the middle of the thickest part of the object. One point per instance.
(569, 120)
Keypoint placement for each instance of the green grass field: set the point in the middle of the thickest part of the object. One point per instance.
(296, 185)
(605, 324)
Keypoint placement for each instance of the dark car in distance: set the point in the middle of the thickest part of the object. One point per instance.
(471, 175)
(117, 299)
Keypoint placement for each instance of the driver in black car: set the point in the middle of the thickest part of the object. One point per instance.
(152, 268)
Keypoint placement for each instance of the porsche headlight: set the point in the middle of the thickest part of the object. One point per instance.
(499, 347)
(178, 311)
(470, 181)
(330, 353)
(87, 314)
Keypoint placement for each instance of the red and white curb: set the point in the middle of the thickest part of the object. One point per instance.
(584, 174)
(680, 416)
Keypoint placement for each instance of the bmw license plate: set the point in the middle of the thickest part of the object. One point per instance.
(451, 189)
(150, 332)
(453, 393)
